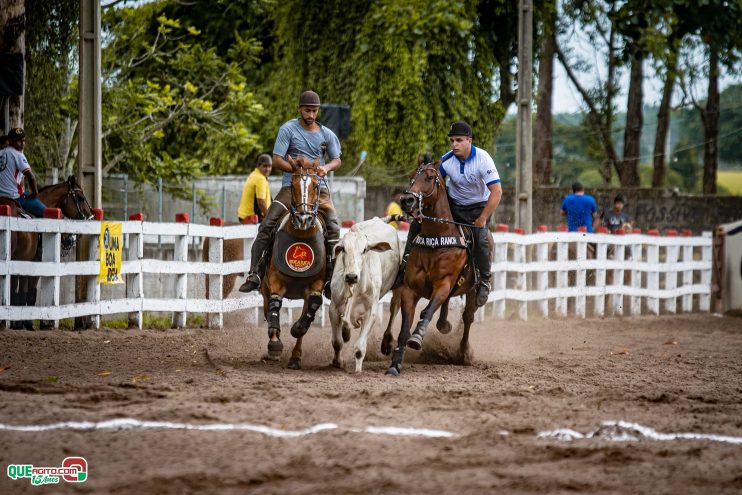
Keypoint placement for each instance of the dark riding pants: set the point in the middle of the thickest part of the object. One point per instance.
(278, 208)
(467, 214)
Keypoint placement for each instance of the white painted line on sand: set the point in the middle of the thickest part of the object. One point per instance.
(130, 424)
(624, 431)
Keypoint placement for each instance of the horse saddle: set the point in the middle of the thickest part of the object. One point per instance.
(299, 256)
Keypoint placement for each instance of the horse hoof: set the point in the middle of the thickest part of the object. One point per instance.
(298, 330)
(415, 342)
(294, 363)
(275, 346)
(392, 371)
(444, 327)
(338, 363)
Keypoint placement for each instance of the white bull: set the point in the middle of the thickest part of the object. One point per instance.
(366, 264)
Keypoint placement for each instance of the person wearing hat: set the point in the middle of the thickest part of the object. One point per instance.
(474, 192)
(13, 168)
(303, 136)
(615, 218)
(579, 208)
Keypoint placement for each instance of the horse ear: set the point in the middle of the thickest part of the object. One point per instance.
(72, 180)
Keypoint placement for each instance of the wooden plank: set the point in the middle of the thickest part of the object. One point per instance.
(601, 253)
(561, 277)
(704, 300)
(181, 282)
(215, 319)
(653, 278)
(542, 278)
(636, 250)
(500, 276)
(580, 277)
(134, 277)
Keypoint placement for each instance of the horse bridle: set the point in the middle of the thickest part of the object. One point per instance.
(419, 197)
(71, 192)
(311, 207)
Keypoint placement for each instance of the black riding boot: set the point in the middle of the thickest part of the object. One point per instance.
(482, 262)
(327, 292)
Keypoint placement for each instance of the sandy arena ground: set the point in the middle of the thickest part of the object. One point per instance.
(672, 374)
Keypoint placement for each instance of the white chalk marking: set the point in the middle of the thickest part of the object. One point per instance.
(624, 431)
(130, 424)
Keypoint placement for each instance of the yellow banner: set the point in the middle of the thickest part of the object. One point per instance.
(111, 242)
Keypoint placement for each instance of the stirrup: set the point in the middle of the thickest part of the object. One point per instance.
(251, 284)
(483, 292)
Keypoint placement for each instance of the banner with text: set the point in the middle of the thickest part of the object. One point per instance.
(111, 241)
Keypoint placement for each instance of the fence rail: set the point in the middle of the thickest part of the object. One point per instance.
(549, 273)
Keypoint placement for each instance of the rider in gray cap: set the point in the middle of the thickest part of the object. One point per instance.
(303, 136)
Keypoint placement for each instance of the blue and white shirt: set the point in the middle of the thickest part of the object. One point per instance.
(469, 180)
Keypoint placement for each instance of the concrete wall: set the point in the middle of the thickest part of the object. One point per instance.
(648, 208)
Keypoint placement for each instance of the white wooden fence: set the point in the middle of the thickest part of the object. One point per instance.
(548, 272)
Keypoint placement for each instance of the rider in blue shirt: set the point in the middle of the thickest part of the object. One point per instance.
(579, 208)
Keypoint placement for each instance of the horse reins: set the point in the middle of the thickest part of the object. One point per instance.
(420, 197)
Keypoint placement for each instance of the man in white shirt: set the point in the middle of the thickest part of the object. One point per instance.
(474, 191)
(13, 168)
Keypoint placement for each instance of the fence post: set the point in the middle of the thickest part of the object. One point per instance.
(671, 274)
(635, 302)
(542, 276)
(561, 275)
(51, 245)
(135, 280)
(216, 257)
(93, 285)
(601, 252)
(581, 274)
(618, 277)
(5, 252)
(181, 282)
(704, 300)
(521, 278)
(653, 276)
(501, 256)
(687, 274)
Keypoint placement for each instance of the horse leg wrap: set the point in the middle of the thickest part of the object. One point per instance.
(315, 302)
(274, 310)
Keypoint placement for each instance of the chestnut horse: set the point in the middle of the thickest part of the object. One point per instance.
(435, 273)
(296, 268)
(69, 197)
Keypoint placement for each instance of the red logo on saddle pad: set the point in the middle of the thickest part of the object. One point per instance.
(299, 257)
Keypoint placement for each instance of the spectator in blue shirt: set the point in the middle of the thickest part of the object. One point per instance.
(580, 209)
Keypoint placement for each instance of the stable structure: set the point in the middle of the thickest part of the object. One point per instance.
(550, 274)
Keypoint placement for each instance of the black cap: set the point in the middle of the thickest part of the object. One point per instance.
(577, 186)
(309, 99)
(460, 128)
(16, 133)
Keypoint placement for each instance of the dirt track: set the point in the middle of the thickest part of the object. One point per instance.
(673, 374)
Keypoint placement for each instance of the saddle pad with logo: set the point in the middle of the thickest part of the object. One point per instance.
(299, 256)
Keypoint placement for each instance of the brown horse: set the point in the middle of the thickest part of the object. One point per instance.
(437, 274)
(296, 268)
(69, 197)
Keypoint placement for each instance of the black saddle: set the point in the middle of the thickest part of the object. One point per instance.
(299, 256)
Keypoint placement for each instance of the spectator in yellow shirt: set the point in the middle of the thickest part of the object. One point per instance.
(256, 196)
(394, 208)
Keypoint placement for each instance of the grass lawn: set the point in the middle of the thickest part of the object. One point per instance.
(731, 180)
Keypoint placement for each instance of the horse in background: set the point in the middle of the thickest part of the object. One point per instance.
(297, 263)
(69, 197)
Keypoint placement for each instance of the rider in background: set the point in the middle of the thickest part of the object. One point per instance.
(474, 191)
(256, 196)
(13, 168)
(579, 208)
(303, 136)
